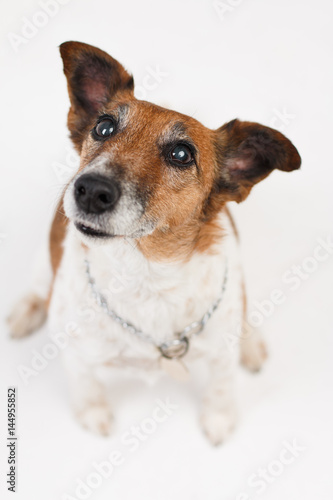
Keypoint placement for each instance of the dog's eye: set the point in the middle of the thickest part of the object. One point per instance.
(104, 128)
(181, 155)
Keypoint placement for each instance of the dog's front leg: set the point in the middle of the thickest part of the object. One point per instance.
(218, 415)
(88, 396)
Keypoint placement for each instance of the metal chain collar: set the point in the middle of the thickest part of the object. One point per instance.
(173, 348)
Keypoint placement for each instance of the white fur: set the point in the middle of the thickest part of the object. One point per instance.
(160, 299)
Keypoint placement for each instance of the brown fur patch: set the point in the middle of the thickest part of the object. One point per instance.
(57, 236)
(182, 242)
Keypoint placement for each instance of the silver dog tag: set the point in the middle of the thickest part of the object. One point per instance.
(174, 349)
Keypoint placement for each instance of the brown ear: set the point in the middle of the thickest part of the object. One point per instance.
(93, 78)
(248, 152)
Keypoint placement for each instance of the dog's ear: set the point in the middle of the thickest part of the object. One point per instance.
(93, 79)
(246, 153)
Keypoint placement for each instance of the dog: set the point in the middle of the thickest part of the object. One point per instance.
(143, 264)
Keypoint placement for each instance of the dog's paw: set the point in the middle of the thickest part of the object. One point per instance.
(217, 424)
(28, 315)
(253, 353)
(97, 419)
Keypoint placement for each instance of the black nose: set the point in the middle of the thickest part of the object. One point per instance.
(95, 194)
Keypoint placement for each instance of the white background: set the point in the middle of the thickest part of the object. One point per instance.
(261, 58)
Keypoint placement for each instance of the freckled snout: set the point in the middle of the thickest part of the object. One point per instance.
(96, 194)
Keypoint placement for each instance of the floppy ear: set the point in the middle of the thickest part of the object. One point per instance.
(93, 78)
(248, 152)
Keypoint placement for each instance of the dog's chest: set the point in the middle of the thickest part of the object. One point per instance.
(158, 299)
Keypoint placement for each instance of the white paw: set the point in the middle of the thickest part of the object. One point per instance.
(253, 353)
(27, 316)
(97, 419)
(217, 424)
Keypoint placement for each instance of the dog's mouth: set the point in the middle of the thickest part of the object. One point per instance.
(89, 231)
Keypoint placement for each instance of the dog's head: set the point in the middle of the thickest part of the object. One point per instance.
(153, 174)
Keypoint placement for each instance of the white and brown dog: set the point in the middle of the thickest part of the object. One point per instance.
(143, 253)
